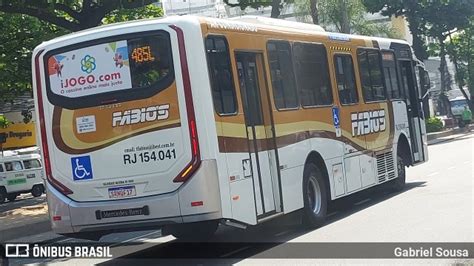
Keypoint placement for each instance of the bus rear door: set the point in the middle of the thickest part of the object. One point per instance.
(260, 132)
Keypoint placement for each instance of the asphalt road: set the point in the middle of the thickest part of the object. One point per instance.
(436, 206)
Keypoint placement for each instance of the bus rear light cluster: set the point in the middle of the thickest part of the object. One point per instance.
(192, 166)
(44, 142)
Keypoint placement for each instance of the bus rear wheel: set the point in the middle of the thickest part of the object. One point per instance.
(199, 231)
(399, 183)
(314, 196)
(37, 190)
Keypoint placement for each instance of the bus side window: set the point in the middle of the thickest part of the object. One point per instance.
(282, 75)
(345, 77)
(370, 69)
(390, 73)
(223, 91)
(312, 74)
(1, 168)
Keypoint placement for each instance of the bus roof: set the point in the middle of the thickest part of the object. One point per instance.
(246, 22)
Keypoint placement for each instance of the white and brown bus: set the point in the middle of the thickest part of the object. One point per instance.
(183, 123)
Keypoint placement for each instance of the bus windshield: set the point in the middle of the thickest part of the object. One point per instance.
(122, 64)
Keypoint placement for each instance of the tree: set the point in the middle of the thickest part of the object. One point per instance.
(435, 18)
(346, 16)
(19, 35)
(460, 49)
(22, 33)
(410, 9)
(276, 5)
(72, 15)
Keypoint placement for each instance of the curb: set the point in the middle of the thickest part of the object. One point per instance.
(25, 230)
(436, 135)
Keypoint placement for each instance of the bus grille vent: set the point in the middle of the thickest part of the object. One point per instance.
(385, 166)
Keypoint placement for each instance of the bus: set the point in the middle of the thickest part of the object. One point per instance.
(184, 123)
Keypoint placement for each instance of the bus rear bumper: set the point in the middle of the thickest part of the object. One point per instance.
(194, 201)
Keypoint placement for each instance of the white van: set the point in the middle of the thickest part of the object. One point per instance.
(20, 174)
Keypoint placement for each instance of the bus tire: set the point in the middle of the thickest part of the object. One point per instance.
(399, 183)
(12, 196)
(314, 196)
(3, 195)
(3, 256)
(37, 190)
(199, 231)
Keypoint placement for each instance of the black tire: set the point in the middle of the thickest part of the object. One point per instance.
(3, 195)
(200, 231)
(37, 190)
(12, 196)
(399, 183)
(3, 258)
(314, 196)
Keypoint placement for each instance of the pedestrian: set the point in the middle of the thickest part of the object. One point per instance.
(466, 116)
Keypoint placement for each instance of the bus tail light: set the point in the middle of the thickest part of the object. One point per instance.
(192, 166)
(46, 159)
(197, 203)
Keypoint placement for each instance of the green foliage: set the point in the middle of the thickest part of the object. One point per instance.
(120, 15)
(19, 35)
(276, 5)
(22, 33)
(434, 124)
(4, 123)
(330, 12)
(461, 47)
(73, 15)
(427, 17)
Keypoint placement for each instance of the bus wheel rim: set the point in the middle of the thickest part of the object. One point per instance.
(314, 195)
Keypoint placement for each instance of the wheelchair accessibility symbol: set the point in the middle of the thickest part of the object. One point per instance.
(81, 168)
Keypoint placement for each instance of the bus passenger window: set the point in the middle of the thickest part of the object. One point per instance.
(223, 91)
(282, 75)
(371, 75)
(345, 79)
(1, 168)
(312, 74)
(390, 73)
(391, 82)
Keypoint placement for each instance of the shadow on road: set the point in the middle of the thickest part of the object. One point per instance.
(22, 201)
(231, 245)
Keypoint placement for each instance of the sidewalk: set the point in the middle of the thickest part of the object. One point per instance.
(436, 137)
(23, 218)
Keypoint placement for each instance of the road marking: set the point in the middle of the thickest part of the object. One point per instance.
(433, 174)
(235, 251)
(283, 233)
(362, 202)
(134, 238)
(466, 162)
(451, 167)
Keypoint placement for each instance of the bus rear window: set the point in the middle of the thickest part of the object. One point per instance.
(109, 70)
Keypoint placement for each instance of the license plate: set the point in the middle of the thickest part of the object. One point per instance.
(122, 192)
